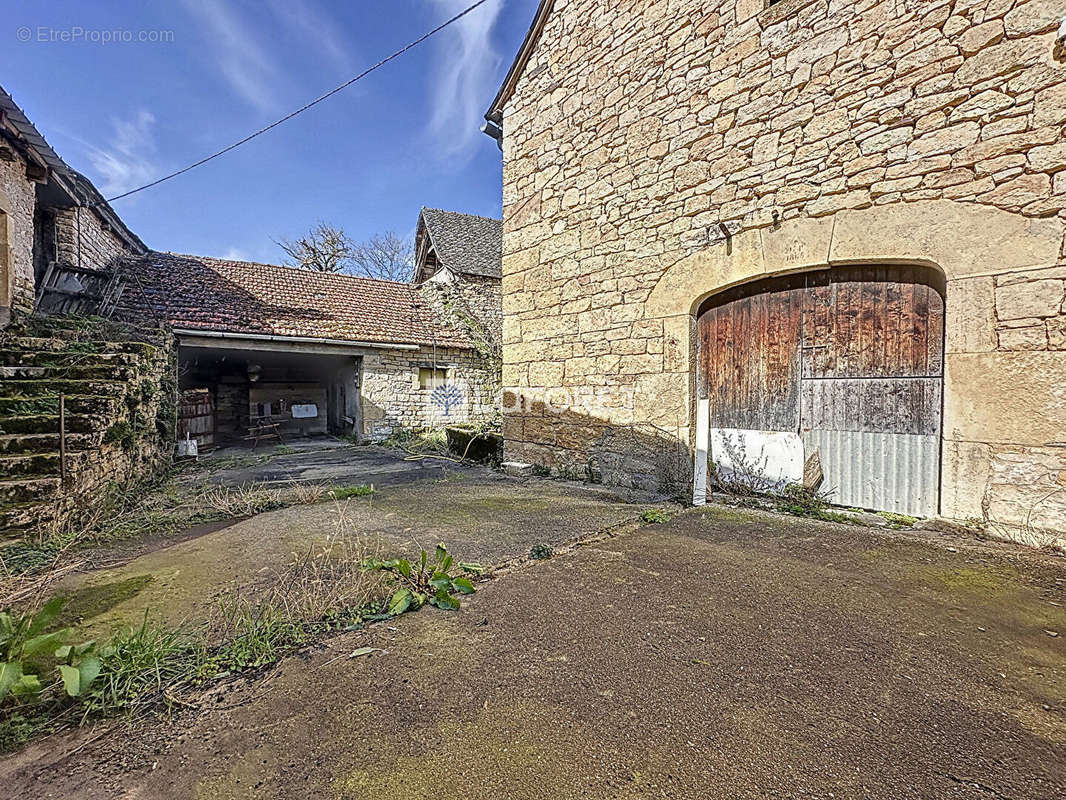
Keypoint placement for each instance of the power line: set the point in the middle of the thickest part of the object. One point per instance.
(303, 108)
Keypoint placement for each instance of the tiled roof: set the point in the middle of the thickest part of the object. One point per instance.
(464, 243)
(212, 294)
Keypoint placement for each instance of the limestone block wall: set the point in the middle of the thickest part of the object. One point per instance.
(393, 400)
(17, 200)
(474, 304)
(83, 238)
(656, 151)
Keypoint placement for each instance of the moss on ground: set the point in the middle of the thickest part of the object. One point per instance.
(985, 580)
(513, 744)
(87, 602)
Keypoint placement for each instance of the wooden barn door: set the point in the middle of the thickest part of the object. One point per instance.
(848, 360)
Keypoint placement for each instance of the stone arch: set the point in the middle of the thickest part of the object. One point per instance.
(960, 239)
(970, 244)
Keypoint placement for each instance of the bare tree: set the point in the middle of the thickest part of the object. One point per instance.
(324, 248)
(327, 248)
(388, 256)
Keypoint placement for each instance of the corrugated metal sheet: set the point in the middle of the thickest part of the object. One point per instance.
(897, 472)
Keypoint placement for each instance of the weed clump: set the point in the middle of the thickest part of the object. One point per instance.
(344, 492)
(541, 552)
(654, 516)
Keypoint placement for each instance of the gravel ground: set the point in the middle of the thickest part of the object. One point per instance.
(725, 654)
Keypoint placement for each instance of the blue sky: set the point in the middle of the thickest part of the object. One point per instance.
(367, 159)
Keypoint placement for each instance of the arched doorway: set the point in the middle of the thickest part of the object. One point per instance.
(846, 363)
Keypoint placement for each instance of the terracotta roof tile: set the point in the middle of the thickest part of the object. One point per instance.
(212, 294)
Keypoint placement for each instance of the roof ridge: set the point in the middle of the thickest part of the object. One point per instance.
(463, 214)
(243, 263)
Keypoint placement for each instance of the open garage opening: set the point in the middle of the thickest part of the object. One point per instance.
(836, 371)
(245, 396)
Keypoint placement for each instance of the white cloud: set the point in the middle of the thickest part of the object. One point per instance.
(128, 160)
(465, 81)
(235, 254)
(242, 62)
(318, 31)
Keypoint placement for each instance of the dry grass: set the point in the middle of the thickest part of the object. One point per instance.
(241, 501)
(306, 494)
(323, 585)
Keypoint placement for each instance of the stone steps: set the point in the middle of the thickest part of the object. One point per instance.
(50, 387)
(17, 519)
(19, 491)
(81, 372)
(73, 347)
(91, 405)
(46, 358)
(29, 465)
(28, 443)
(49, 423)
(108, 381)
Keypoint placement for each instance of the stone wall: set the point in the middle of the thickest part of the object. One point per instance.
(17, 200)
(657, 151)
(474, 304)
(119, 389)
(83, 238)
(393, 399)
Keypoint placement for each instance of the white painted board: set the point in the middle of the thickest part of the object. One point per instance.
(771, 458)
(306, 411)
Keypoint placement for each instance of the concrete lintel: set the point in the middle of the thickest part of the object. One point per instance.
(280, 344)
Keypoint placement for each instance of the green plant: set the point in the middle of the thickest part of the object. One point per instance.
(16, 729)
(542, 471)
(654, 516)
(800, 501)
(30, 650)
(344, 492)
(898, 521)
(425, 581)
(540, 552)
(257, 636)
(284, 450)
(121, 433)
(136, 666)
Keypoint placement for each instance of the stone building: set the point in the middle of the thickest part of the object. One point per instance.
(457, 269)
(825, 227)
(84, 408)
(88, 406)
(50, 216)
(313, 352)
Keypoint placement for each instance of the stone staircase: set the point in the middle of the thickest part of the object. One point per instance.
(114, 417)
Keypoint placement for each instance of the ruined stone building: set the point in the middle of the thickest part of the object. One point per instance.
(830, 228)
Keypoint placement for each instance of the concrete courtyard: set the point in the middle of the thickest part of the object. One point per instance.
(727, 653)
